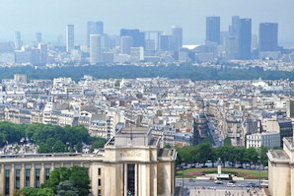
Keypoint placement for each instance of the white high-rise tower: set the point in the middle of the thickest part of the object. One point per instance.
(70, 37)
(95, 49)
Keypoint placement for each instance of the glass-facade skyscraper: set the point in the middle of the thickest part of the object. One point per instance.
(213, 29)
(245, 28)
(95, 49)
(17, 40)
(177, 34)
(138, 37)
(268, 37)
(94, 27)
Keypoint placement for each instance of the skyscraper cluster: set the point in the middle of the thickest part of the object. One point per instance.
(132, 45)
(238, 41)
(137, 46)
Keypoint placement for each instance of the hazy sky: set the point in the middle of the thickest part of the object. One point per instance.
(51, 16)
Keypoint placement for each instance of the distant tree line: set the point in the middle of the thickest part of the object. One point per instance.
(204, 152)
(186, 71)
(49, 138)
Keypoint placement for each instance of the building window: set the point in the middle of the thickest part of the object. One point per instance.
(47, 173)
(99, 192)
(131, 179)
(7, 181)
(17, 178)
(99, 171)
(99, 182)
(37, 178)
(28, 174)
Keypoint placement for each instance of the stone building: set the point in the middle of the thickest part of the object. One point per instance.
(281, 169)
(131, 162)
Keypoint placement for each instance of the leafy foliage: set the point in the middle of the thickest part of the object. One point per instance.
(49, 138)
(63, 182)
(74, 181)
(227, 141)
(203, 152)
(66, 188)
(30, 191)
(130, 71)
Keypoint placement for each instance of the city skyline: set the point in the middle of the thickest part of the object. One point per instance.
(117, 15)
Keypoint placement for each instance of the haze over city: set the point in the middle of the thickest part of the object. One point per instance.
(146, 98)
(51, 16)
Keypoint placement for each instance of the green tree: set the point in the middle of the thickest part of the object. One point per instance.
(57, 176)
(78, 176)
(251, 156)
(239, 154)
(59, 146)
(79, 147)
(10, 132)
(204, 152)
(263, 156)
(66, 188)
(227, 141)
(45, 192)
(80, 179)
(29, 191)
(97, 143)
(213, 157)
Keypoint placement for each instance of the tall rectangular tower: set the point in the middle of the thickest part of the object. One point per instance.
(138, 37)
(70, 38)
(94, 27)
(177, 34)
(38, 37)
(245, 38)
(213, 29)
(268, 37)
(95, 49)
(17, 40)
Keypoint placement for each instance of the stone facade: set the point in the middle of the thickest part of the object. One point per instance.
(122, 166)
(281, 169)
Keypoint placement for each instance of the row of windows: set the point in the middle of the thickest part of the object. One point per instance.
(27, 178)
(99, 182)
(37, 178)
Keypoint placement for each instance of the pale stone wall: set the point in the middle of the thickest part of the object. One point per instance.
(280, 179)
(154, 176)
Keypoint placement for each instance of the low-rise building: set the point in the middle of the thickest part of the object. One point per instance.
(269, 140)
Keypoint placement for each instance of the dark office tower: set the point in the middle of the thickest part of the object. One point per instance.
(235, 25)
(138, 37)
(213, 29)
(268, 37)
(96, 28)
(231, 47)
(17, 40)
(165, 42)
(126, 43)
(245, 39)
(38, 37)
(177, 34)
(43, 53)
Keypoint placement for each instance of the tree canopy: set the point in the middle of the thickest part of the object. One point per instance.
(63, 181)
(187, 71)
(203, 152)
(49, 138)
